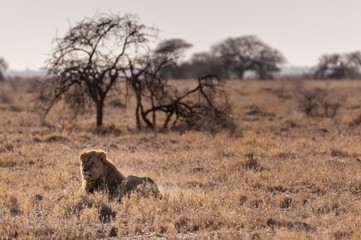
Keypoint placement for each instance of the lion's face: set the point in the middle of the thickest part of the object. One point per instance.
(92, 165)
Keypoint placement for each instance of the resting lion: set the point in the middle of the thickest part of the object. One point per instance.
(99, 173)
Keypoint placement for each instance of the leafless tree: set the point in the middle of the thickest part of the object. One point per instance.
(205, 106)
(143, 75)
(241, 54)
(338, 66)
(3, 67)
(90, 59)
(207, 102)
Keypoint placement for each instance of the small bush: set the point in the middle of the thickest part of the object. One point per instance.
(252, 163)
(318, 102)
(5, 97)
(117, 103)
(356, 121)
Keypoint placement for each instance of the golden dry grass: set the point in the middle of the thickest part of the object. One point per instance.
(277, 168)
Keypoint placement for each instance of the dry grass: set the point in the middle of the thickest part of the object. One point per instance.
(279, 175)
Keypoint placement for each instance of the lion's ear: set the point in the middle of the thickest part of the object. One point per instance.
(101, 155)
(82, 155)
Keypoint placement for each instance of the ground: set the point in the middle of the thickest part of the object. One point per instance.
(279, 175)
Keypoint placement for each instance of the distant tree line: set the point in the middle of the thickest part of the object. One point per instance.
(236, 56)
(231, 57)
(339, 66)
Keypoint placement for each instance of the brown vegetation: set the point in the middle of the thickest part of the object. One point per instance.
(279, 174)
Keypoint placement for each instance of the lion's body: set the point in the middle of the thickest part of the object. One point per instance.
(142, 185)
(99, 173)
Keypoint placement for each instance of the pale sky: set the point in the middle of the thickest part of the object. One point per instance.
(302, 30)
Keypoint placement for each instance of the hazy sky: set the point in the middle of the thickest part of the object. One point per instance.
(302, 30)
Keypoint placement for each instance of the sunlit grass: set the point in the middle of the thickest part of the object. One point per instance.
(277, 168)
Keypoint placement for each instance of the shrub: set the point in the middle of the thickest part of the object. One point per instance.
(318, 102)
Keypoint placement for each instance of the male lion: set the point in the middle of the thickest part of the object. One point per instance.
(99, 173)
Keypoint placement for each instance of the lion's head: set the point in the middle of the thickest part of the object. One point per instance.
(92, 164)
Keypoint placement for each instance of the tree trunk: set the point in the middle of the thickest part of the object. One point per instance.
(263, 75)
(137, 112)
(100, 105)
(145, 119)
(240, 73)
(153, 115)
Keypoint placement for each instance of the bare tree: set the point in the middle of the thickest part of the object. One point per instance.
(204, 106)
(3, 67)
(337, 66)
(241, 54)
(155, 97)
(89, 60)
(143, 75)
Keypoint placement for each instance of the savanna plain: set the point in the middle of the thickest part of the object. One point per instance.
(279, 174)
